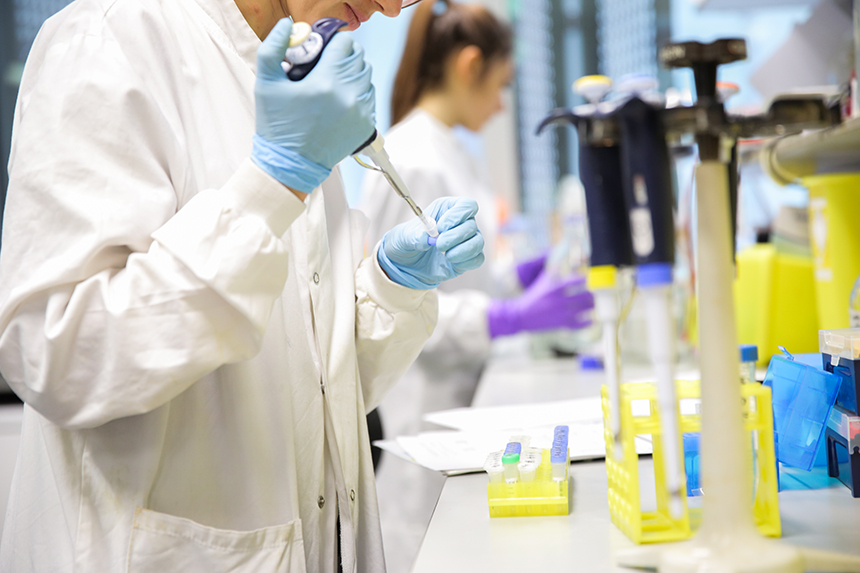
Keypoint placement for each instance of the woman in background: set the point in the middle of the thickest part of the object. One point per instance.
(456, 63)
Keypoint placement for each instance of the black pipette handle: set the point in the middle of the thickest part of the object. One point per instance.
(600, 172)
(325, 29)
(647, 179)
(608, 222)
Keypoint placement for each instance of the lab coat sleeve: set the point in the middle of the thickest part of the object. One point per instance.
(116, 293)
(392, 324)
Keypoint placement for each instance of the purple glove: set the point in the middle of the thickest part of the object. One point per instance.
(548, 303)
(528, 271)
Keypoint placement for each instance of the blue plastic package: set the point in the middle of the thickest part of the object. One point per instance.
(691, 463)
(803, 396)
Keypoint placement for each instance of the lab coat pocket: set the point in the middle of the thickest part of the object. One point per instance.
(161, 543)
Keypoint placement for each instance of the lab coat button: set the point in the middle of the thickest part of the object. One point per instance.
(316, 278)
(321, 501)
(352, 495)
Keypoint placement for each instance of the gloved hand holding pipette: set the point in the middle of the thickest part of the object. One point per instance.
(299, 144)
(408, 259)
(302, 159)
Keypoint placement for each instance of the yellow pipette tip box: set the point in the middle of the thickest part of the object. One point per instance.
(542, 496)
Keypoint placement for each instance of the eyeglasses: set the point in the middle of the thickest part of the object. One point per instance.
(408, 3)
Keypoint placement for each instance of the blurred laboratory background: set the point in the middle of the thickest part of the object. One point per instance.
(792, 46)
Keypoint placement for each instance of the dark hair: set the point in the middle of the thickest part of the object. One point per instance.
(439, 29)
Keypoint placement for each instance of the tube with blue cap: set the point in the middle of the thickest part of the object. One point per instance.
(307, 43)
(511, 460)
(559, 460)
(559, 454)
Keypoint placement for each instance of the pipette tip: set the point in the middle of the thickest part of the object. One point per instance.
(430, 227)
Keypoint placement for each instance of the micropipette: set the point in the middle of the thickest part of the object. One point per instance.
(306, 47)
(375, 151)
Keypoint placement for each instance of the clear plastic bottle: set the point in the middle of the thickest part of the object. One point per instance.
(854, 305)
(749, 356)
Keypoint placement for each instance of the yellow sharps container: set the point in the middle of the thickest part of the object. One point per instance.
(775, 302)
(834, 225)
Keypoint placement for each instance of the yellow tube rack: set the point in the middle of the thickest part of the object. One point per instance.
(543, 496)
(623, 476)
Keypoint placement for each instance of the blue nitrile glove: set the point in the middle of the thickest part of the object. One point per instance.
(307, 127)
(409, 260)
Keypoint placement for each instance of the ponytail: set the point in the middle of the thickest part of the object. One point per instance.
(438, 30)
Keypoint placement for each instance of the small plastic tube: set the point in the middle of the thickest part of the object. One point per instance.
(559, 459)
(532, 454)
(430, 227)
(560, 434)
(494, 467)
(528, 469)
(530, 461)
(510, 461)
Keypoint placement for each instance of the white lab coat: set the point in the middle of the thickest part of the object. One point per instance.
(196, 347)
(434, 163)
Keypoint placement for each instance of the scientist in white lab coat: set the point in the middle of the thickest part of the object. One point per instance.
(456, 63)
(184, 305)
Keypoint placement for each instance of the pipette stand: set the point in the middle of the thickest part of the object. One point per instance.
(625, 486)
(728, 540)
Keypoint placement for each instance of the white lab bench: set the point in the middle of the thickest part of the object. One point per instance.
(462, 537)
